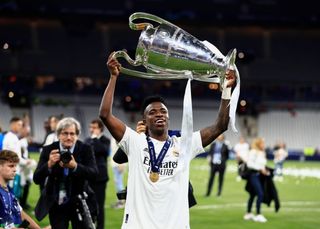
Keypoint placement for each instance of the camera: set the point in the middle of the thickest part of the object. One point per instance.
(65, 156)
(122, 195)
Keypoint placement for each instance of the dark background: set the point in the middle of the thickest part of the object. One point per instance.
(62, 46)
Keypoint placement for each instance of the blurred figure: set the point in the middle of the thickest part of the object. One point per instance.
(118, 171)
(280, 154)
(26, 169)
(217, 156)
(52, 136)
(256, 162)
(241, 150)
(101, 148)
(1, 138)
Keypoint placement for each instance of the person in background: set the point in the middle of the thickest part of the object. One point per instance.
(65, 167)
(118, 170)
(11, 213)
(26, 169)
(217, 156)
(101, 148)
(256, 162)
(1, 137)
(52, 136)
(241, 150)
(280, 155)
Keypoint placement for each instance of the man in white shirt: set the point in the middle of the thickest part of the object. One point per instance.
(11, 138)
(241, 150)
(157, 191)
(12, 142)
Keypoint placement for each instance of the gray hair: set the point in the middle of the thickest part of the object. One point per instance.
(67, 122)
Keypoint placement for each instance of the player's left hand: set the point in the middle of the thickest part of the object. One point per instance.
(231, 78)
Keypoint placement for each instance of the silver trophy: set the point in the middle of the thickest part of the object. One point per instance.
(168, 52)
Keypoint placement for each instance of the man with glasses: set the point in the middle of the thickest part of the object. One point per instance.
(65, 167)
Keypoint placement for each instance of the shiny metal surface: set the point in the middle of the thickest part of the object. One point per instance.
(167, 52)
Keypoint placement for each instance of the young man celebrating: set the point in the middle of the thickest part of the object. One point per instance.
(11, 214)
(158, 176)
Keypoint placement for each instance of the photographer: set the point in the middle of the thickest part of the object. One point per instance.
(65, 167)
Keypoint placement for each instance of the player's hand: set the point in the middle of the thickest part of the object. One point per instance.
(141, 127)
(113, 65)
(231, 77)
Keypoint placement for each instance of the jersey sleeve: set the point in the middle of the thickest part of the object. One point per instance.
(129, 140)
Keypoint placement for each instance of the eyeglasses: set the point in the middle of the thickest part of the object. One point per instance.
(65, 134)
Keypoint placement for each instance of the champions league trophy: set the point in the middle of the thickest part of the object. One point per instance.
(168, 52)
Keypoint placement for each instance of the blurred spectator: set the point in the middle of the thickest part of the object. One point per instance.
(256, 162)
(241, 150)
(101, 148)
(280, 154)
(52, 136)
(217, 156)
(118, 171)
(26, 169)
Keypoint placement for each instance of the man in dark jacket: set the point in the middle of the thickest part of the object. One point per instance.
(101, 149)
(65, 167)
(218, 156)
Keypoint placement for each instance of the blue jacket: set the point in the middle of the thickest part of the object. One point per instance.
(10, 211)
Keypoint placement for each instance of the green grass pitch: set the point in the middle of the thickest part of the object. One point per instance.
(300, 201)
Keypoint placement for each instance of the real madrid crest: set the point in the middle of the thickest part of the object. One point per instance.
(175, 152)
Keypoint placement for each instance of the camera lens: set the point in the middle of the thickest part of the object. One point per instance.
(65, 156)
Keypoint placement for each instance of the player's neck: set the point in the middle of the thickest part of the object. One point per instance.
(159, 137)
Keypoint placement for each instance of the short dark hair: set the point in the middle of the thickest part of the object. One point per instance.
(99, 122)
(15, 119)
(8, 156)
(151, 99)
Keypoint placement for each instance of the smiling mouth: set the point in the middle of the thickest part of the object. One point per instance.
(160, 121)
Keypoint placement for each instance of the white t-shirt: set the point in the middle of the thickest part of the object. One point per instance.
(242, 150)
(163, 204)
(256, 160)
(12, 142)
(51, 138)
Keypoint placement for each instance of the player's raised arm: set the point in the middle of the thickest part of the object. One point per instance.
(208, 134)
(114, 125)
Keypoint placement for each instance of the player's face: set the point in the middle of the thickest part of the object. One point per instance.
(8, 170)
(157, 117)
(68, 136)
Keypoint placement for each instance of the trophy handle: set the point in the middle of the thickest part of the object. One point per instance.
(231, 59)
(168, 75)
(141, 26)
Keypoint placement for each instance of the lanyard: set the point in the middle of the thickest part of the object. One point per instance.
(155, 162)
